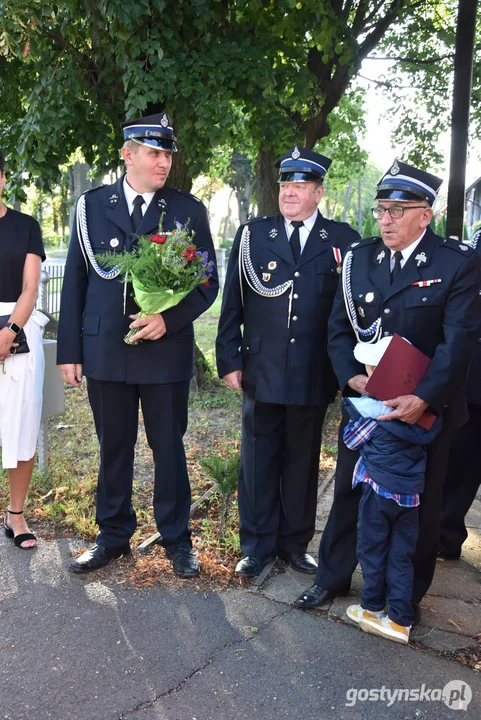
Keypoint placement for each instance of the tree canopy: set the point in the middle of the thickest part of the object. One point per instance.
(256, 75)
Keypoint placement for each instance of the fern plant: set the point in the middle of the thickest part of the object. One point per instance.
(223, 469)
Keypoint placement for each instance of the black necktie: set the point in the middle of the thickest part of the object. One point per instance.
(295, 240)
(137, 212)
(396, 268)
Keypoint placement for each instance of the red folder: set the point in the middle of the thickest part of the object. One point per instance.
(399, 372)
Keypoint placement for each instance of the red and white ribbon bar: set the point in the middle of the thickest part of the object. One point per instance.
(427, 283)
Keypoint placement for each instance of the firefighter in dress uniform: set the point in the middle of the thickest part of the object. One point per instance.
(424, 288)
(272, 343)
(96, 312)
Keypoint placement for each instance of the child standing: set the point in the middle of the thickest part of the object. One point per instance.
(391, 469)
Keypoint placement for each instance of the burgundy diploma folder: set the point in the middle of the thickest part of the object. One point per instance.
(399, 372)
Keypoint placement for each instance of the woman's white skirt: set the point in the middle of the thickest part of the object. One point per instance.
(21, 389)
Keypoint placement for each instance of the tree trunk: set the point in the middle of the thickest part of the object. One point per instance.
(78, 183)
(201, 370)
(347, 201)
(359, 205)
(266, 183)
(179, 177)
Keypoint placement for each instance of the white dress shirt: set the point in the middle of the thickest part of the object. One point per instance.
(131, 194)
(407, 252)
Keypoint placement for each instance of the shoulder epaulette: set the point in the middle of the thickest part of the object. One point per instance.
(252, 221)
(460, 247)
(90, 190)
(187, 194)
(364, 242)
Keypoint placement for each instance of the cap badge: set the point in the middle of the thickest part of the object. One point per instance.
(272, 265)
(361, 312)
(323, 234)
(266, 277)
(114, 242)
(395, 168)
(164, 121)
(113, 199)
(273, 234)
(381, 257)
(369, 297)
(421, 259)
(295, 153)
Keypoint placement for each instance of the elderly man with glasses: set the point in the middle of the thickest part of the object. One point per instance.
(425, 288)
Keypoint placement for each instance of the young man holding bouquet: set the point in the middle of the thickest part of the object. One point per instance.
(272, 344)
(155, 367)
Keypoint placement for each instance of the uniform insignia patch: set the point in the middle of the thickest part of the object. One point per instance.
(369, 297)
(273, 233)
(113, 200)
(272, 265)
(323, 234)
(162, 203)
(295, 153)
(421, 259)
(381, 256)
(354, 244)
(361, 312)
(114, 242)
(266, 277)
(395, 168)
(463, 247)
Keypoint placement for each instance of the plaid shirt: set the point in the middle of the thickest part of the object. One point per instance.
(355, 435)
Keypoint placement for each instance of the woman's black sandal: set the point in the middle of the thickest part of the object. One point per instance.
(18, 539)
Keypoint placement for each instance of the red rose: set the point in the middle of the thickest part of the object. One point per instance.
(189, 254)
(205, 284)
(158, 239)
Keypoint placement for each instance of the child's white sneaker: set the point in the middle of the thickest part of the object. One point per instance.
(387, 628)
(356, 613)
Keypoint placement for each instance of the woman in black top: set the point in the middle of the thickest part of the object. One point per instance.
(21, 376)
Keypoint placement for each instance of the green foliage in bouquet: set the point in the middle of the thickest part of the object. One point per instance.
(163, 268)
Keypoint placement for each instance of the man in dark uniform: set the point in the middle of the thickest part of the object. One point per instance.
(282, 277)
(425, 288)
(96, 314)
(464, 465)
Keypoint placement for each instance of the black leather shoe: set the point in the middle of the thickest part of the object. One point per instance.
(97, 557)
(251, 566)
(417, 614)
(316, 596)
(184, 562)
(453, 555)
(302, 562)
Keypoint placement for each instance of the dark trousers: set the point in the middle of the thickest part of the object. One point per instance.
(277, 491)
(337, 550)
(386, 541)
(462, 482)
(115, 407)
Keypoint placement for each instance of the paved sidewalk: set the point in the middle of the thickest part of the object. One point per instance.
(90, 648)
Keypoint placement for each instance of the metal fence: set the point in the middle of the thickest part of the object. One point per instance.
(50, 289)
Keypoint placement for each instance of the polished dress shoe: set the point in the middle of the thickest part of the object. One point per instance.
(302, 562)
(316, 596)
(184, 562)
(452, 555)
(417, 614)
(251, 566)
(97, 557)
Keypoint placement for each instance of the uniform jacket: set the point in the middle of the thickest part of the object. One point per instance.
(473, 383)
(281, 364)
(441, 320)
(92, 322)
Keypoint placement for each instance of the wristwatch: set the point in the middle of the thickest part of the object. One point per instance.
(14, 328)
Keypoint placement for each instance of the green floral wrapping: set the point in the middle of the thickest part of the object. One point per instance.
(156, 302)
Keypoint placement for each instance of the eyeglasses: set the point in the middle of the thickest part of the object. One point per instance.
(396, 211)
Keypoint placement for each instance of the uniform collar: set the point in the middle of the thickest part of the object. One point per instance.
(131, 194)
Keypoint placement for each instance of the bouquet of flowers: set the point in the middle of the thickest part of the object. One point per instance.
(163, 269)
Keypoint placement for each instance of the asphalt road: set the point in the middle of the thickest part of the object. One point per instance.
(79, 648)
